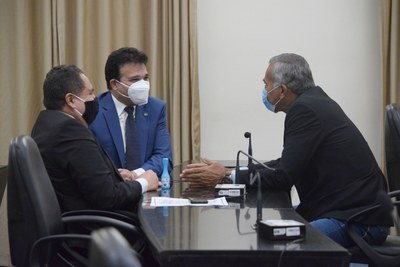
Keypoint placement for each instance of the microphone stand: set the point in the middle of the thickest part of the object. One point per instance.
(252, 180)
(237, 213)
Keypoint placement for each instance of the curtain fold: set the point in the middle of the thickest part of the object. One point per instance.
(172, 45)
(391, 51)
(25, 56)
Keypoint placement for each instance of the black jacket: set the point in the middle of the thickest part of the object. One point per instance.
(82, 174)
(328, 160)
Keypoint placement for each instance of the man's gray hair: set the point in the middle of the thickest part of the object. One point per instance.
(293, 71)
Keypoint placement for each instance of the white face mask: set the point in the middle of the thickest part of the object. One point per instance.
(138, 92)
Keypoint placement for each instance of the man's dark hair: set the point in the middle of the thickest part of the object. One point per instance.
(59, 81)
(120, 57)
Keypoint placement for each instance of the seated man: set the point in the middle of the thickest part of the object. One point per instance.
(82, 174)
(324, 156)
(143, 146)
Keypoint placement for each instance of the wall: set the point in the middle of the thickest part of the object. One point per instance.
(339, 38)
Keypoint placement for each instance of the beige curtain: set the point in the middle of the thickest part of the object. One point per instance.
(25, 56)
(39, 34)
(391, 51)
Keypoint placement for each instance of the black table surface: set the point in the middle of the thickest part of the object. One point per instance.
(215, 236)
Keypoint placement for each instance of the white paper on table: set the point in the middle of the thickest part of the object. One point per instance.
(172, 202)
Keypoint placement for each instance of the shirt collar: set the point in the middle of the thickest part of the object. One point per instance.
(118, 105)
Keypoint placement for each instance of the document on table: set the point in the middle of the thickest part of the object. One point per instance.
(171, 202)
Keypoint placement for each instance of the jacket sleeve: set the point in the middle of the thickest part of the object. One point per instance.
(93, 172)
(303, 135)
(162, 145)
(269, 177)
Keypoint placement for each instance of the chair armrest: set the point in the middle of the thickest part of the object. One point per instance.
(104, 221)
(373, 253)
(395, 193)
(385, 203)
(104, 213)
(34, 252)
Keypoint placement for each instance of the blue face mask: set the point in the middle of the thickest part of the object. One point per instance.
(267, 104)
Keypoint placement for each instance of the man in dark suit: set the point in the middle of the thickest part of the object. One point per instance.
(324, 156)
(128, 86)
(83, 176)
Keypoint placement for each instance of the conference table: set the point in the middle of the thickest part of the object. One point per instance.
(226, 236)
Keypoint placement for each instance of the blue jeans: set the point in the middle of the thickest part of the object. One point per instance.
(336, 230)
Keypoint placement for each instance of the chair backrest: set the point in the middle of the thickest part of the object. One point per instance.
(392, 145)
(33, 209)
(109, 248)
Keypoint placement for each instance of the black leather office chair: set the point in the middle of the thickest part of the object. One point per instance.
(385, 255)
(109, 248)
(392, 149)
(392, 145)
(37, 230)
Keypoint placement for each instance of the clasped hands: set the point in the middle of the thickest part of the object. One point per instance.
(207, 173)
(128, 175)
(149, 175)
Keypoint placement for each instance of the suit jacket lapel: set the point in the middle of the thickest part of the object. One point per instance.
(112, 120)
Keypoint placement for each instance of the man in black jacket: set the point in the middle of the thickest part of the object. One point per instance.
(324, 156)
(83, 176)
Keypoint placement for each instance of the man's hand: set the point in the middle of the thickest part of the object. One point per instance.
(152, 180)
(208, 173)
(127, 175)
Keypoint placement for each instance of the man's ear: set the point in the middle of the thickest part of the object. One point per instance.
(113, 84)
(284, 88)
(69, 100)
(286, 91)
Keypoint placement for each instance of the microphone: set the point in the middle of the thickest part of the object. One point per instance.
(248, 135)
(252, 180)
